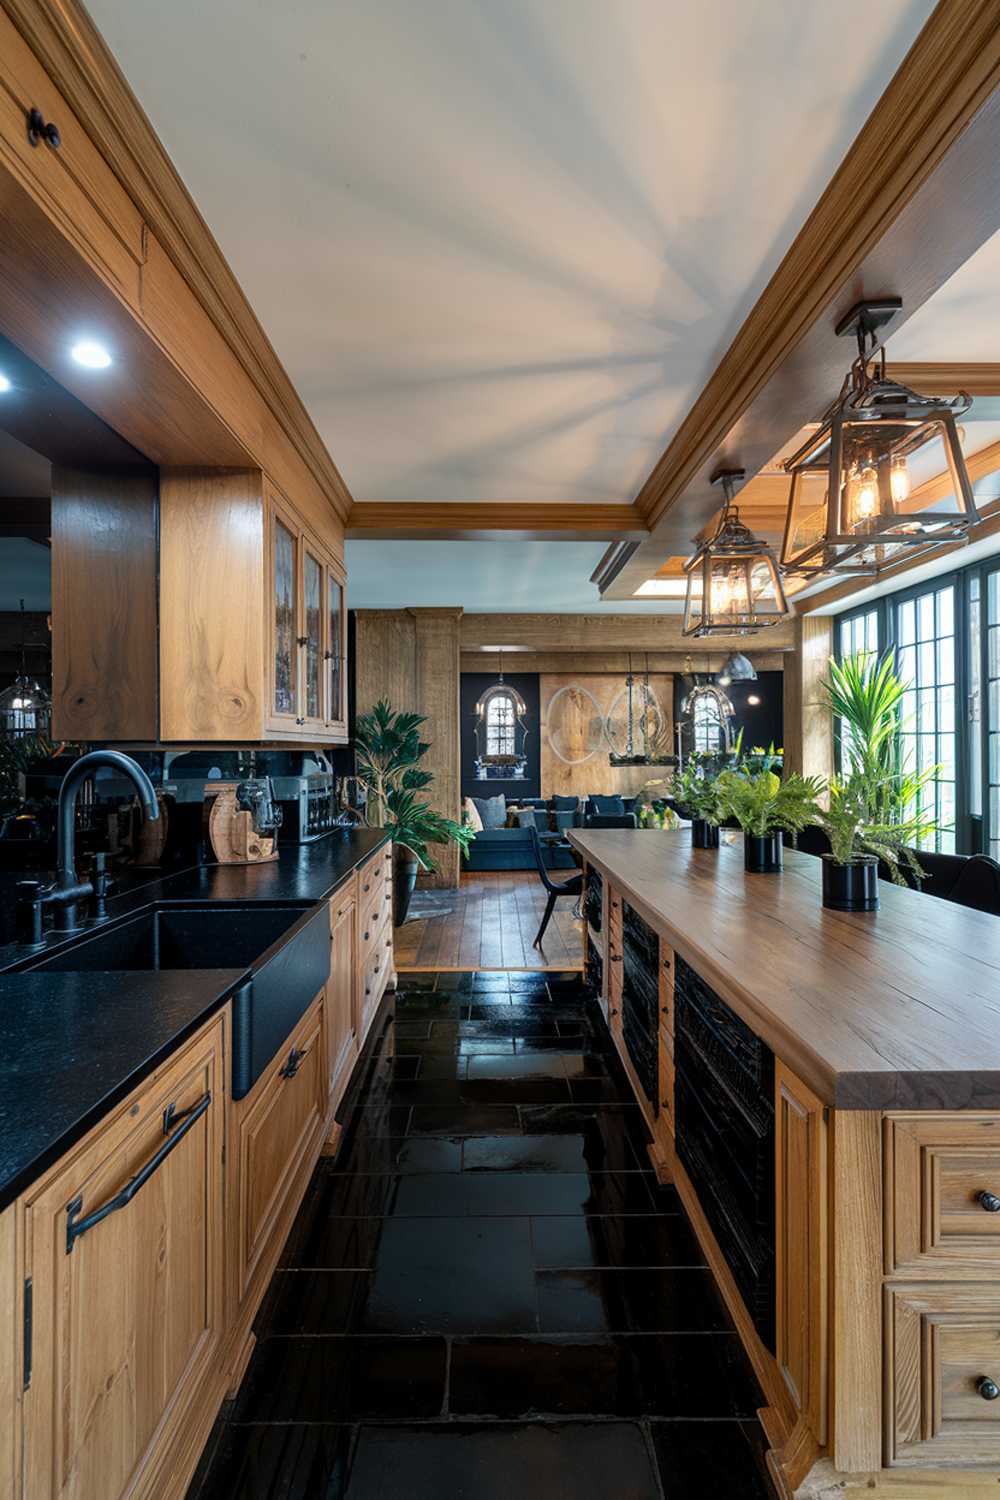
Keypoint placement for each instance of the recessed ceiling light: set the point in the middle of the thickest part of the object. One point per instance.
(5, 383)
(91, 354)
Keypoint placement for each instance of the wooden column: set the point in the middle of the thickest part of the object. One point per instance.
(411, 657)
(808, 727)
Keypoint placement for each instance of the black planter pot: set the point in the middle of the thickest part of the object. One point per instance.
(762, 853)
(404, 877)
(704, 835)
(852, 887)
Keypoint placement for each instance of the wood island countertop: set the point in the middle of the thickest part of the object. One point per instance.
(895, 1009)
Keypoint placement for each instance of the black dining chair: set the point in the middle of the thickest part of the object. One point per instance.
(610, 820)
(978, 884)
(555, 888)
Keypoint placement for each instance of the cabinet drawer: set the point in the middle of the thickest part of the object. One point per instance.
(73, 185)
(374, 977)
(371, 879)
(342, 898)
(942, 1368)
(942, 1192)
(276, 1126)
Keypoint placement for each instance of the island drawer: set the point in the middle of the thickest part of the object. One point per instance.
(942, 1375)
(942, 1195)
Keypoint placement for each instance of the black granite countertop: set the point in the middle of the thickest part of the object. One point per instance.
(73, 1044)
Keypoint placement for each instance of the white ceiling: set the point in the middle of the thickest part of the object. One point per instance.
(960, 321)
(501, 244)
(484, 578)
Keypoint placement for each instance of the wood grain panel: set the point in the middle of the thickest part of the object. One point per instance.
(11, 1364)
(104, 683)
(595, 774)
(801, 1268)
(481, 521)
(585, 662)
(808, 729)
(856, 1218)
(935, 1167)
(541, 632)
(211, 615)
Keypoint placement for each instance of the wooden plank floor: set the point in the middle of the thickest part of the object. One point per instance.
(491, 925)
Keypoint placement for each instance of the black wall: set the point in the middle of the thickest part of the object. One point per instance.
(761, 723)
(473, 685)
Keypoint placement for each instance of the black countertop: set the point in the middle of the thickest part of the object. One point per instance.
(73, 1045)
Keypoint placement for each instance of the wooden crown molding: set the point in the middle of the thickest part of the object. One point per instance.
(484, 520)
(69, 46)
(947, 378)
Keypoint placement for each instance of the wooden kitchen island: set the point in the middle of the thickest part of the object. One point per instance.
(824, 1091)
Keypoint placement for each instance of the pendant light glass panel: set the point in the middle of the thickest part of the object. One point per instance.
(733, 584)
(882, 474)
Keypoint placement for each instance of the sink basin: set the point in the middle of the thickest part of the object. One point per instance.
(285, 948)
(179, 937)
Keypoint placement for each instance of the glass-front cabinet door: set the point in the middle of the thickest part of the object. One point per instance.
(336, 653)
(311, 641)
(283, 585)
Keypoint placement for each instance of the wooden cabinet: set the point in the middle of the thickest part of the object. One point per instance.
(374, 935)
(801, 1251)
(341, 1007)
(124, 1257)
(306, 626)
(942, 1374)
(942, 1189)
(276, 1132)
(11, 1363)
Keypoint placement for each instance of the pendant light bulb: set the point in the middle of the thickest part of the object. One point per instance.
(899, 480)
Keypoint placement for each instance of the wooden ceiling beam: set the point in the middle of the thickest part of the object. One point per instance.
(447, 520)
(917, 194)
(600, 632)
(702, 657)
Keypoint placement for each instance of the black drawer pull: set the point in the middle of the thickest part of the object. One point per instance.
(40, 130)
(291, 1067)
(75, 1227)
(988, 1201)
(987, 1388)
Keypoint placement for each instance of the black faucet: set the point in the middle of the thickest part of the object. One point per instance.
(68, 889)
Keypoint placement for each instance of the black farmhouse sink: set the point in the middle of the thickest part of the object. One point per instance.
(286, 948)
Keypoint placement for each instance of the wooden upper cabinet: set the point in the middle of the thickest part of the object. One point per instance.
(304, 605)
(125, 1262)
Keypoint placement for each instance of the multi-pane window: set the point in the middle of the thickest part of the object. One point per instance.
(925, 639)
(856, 633)
(993, 710)
(706, 723)
(501, 717)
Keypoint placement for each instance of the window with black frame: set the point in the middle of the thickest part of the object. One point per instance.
(926, 662)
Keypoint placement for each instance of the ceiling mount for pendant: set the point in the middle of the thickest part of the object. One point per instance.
(856, 498)
(733, 584)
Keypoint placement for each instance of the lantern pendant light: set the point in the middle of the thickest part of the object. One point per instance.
(855, 497)
(733, 584)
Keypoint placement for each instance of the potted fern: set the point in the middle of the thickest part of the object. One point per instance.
(859, 839)
(696, 794)
(388, 752)
(767, 806)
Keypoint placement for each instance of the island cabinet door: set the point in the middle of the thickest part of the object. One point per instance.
(341, 1007)
(124, 1256)
(801, 1255)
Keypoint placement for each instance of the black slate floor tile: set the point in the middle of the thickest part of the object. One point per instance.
(712, 1458)
(457, 1275)
(288, 1462)
(536, 1153)
(338, 1379)
(634, 1301)
(618, 1240)
(540, 1065)
(408, 1153)
(316, 1302)
(557, 1461)
(514, 1090)
(464, 1119)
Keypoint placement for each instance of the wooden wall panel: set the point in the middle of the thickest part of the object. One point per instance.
(584, 662)
(411, 657)
(103, 605)
(808, 727)
(597, 774)
(211, 604)
(610, 632)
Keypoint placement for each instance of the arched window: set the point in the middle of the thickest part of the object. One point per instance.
(501, 719)
(707, 724)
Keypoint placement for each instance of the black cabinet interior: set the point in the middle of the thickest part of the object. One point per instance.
(640, 1002)
(594, 899)
(724, 1123)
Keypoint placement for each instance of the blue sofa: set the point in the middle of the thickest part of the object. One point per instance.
(510, 848)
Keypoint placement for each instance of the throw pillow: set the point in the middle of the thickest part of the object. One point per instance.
(470, 815)
(565, 804)
(492, 810)
(606, 807)
(526, 817)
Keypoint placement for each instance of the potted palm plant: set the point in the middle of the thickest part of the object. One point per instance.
(859, 838)
(388, 752)
(766, 806)
(696, 794)
(876, 805)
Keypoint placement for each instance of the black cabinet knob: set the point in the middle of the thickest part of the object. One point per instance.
(988, 1201)
(40, 129)
(987, 1388)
